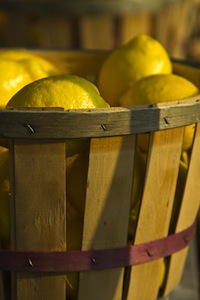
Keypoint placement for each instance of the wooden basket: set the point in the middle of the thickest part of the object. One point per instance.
(109, 269)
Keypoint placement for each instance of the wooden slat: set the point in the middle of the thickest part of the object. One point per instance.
(174, 34)
(187, 70)
(57, 15)
(107, 211)
(54, 32)
(133, 24)
(97, 32)
(74, 62)
(17, 30)
(188, 212)
(155, 212)
(38, 212)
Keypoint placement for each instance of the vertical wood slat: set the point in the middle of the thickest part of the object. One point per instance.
(107, 211)
(155, 212)
(17, 32)
(131, 25)
(38, 212)
(54, 32)
(188, 212)
(96, 32)
(172, 34)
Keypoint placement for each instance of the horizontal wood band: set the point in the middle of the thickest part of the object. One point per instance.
(71, 261)
(48, 123)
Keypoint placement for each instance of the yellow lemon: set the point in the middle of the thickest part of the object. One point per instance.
(24, 56)
(35, 69)
(140, 57)
(160, 88)
(18, 68)
(13, 76)
(188, 136)
(163, 272)
(67, 91)
(185, 158)
(4, 198)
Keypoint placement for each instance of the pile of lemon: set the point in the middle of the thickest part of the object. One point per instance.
(137, 73)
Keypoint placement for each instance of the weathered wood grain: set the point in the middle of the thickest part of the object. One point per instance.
(108, 200)
(155, 212)
(98, 122)
(38, 213)
(188, 213)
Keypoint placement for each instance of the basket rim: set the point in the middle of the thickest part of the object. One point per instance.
(48, 123)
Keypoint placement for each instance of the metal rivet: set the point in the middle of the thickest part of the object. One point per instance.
(30, 128)
(186, 239)
(166, 121)
(30, 262)
(103, 127)
(149, 252)
(94, 261)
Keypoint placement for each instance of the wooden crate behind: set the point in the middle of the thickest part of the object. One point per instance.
(46, 24)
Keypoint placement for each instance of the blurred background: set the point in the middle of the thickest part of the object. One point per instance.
(101, 24)
(104, 25)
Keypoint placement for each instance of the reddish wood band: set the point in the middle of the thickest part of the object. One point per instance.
(71, 261)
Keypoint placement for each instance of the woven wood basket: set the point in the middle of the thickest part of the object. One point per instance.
(108, 268)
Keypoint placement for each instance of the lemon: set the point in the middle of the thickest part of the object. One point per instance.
(163, 272)
(4, 198)
(67, 91)
(35, 69)
(24, 56)
(160, 88)
(18, 68)
(140, 57)
(13, 76)
(188, 136)
(185, 158)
